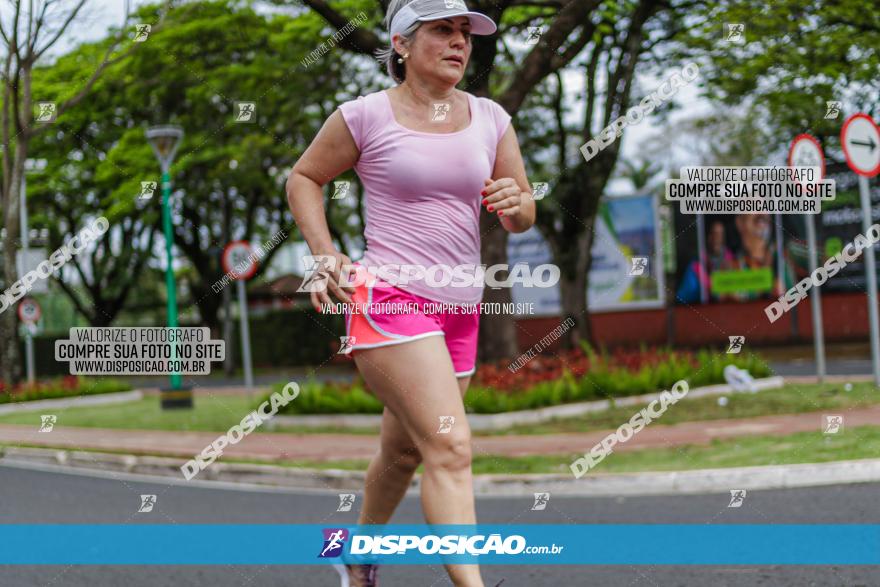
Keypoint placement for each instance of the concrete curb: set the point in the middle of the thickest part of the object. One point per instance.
(72, 402)
(593, 485)
(484, 422)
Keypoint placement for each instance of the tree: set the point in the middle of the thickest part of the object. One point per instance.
(640, 172)
(35, 27)
(796, 57)
(86, 180)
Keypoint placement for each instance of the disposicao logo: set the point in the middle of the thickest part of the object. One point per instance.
(334, 541)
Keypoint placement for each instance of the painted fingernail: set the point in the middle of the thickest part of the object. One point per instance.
(500, 212)
(484, 201)
(483, 193)
(490, 208)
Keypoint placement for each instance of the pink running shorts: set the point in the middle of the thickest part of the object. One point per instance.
(385, 315)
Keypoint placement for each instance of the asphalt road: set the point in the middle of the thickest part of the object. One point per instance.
(32, 496)
(833, 366)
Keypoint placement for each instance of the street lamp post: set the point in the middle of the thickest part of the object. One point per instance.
(165, 141)
(29, 165)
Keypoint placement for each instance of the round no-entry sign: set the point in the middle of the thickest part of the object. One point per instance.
(860, 139)
(805, 151)
(238, 261)
(29, 311)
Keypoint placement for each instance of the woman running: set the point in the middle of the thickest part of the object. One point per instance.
(428, 155)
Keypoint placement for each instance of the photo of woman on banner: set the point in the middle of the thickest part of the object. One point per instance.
(741, 262)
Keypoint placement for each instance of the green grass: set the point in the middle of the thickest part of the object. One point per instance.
(56, 388)
(790, 399)
(804, 447)
(217, 413)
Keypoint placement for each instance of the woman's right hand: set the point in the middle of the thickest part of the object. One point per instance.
(341, 264)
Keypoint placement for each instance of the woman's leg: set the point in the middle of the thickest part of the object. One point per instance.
(416, 382)
(392, 468)
(390, 472)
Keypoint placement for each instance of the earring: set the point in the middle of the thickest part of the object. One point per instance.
(400, 59)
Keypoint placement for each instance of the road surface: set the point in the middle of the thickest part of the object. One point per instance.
(50, 496)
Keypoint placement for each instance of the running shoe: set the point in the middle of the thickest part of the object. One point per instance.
(363, 575)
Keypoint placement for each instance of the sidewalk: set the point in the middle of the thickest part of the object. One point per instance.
(330, 447)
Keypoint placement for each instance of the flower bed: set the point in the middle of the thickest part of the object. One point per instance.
(565, 377)
(67, 386)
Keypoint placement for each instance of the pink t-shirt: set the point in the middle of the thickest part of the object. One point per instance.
(422, 190)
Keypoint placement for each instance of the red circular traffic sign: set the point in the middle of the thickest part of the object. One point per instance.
(805, 151)
(860, 139)
(29, 311)
(238, 260)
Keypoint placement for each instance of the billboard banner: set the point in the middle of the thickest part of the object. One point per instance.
(759, 256)
(625, 272)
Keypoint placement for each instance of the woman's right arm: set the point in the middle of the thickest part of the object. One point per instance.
(332, 152)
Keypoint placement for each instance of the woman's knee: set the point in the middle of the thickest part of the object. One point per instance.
(403, 457)
(449, 451)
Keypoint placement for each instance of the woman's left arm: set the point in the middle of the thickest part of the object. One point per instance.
(509, 195)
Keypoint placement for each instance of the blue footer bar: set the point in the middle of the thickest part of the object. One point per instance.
(527, 544)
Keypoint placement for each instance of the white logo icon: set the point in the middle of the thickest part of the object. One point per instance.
(345, 345)
(737, 496)
(541, 500)
(459, 4)
(441, 109)
(46, 112)
(832, 110)
(539, 189)
(735, 33)
(245, 111)
(147, 503)
(141, 32)
(47, 423)
(340, 189)
(736, 344)
(535, 33)
(346, 500)
(318, 272)
(833, 424)
(639, 264)
(148, 188)
(446, 423)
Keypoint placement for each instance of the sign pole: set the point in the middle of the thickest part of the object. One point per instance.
(805, 151)
(240, 262)
(29, 313)
(871, 277)
(816, 301)
(245, 335)
(860, 138)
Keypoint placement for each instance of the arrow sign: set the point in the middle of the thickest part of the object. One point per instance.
(870, 144)
(859, 138)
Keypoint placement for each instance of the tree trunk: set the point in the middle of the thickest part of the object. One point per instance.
(10, 361)
(580, 193)
(573, 283)
(497, 332)
(497, 339)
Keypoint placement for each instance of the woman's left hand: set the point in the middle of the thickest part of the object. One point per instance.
(502, 196)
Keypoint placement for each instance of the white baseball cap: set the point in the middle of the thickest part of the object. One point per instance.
(424, 10)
